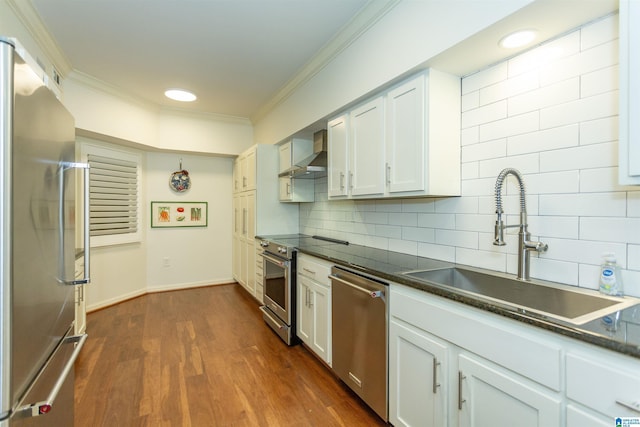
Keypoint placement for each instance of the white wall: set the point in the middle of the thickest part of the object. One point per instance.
(103, 110)
(555, 121)
(407, 36)
(197, 256)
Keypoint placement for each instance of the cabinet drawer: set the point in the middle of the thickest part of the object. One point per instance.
(314, 268)
(606, 384)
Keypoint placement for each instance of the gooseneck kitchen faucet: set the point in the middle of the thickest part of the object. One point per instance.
(525, 246)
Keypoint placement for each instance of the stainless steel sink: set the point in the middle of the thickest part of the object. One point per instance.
(558, 301)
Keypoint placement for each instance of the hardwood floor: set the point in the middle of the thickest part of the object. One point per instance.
(203, 357)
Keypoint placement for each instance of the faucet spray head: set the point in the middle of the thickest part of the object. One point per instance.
(499, 232)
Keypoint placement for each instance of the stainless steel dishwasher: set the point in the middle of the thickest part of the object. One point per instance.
(359, 331)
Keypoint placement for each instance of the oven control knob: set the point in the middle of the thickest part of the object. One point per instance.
(264, 243)
(282, 250)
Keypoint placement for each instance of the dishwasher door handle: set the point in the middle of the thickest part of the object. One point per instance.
(371, 293)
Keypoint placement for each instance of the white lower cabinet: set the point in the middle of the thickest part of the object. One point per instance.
(313, 317)
(419, 385)
(602, 386)
(491, 396)
(452, 365)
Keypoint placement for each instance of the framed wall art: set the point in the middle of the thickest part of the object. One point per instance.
(178, 214)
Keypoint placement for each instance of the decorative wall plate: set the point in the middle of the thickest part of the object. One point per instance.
(180, 180)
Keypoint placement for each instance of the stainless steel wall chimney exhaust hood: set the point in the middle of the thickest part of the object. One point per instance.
(313, 166)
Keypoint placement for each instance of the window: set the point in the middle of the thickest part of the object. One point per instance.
(114, 194)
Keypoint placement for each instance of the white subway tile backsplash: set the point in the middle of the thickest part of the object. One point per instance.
(599, 81)
(470, 136)
(469, 170)
(599, 130)
(485, 150)
(554, 271)
(404, 246)
(460, 239)
(633, 255)
(510, 126)
(431, 250)
(418, 234)
(544, 140)
(558, 93)
(408, 219)
(582, 157)
(470, 100)
(593, 107)
(585, 204)
(437, 221)
(484, 78)
(483, 259)
(484, 114)
(601, 180)
(599, 32)
(633, 203)
(552, 113)
(467, 205)
(553, 182)
(620, 230)
(526, 164)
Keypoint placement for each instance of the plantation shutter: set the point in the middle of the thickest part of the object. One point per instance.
(113, 196)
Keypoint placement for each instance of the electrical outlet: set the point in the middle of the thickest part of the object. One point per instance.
(166, 262)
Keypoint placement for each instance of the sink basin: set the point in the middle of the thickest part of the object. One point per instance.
(562, 302)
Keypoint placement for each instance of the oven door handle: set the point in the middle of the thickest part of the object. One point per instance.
(279, 262)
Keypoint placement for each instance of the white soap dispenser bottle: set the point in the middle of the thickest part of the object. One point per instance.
(610, 277)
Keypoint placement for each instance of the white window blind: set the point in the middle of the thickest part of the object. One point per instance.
(113, 196)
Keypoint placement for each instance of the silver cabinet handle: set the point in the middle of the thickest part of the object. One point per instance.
(288, 188)
(634, 406)
(435, 375)
(351, 180)
(460, 399)
(388, 170)
(43, 407)
(341, 180)
(372, 294)
(309, 271)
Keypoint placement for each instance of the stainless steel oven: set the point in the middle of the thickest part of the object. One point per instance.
(279, 272)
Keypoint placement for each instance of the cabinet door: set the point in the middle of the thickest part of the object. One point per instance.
(304, 318)
(579, 417)
(337, 162)
(250, 170)
(417, 378)
(284, 191)
(284, 162)
(237, 175)
(321, 311)
(250, 205)
(489, 396)
(629, 140)
(366, 155)
(406, 138)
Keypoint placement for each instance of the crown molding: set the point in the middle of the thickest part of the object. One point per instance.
(29, 17)
(368, 16)
(89, 81)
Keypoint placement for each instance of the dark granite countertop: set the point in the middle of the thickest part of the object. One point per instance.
(622, 336)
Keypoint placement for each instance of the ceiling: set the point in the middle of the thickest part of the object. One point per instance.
(235, 55)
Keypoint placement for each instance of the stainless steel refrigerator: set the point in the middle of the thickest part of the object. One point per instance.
(37, 248)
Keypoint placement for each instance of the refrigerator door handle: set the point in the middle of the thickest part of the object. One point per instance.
(43, 407)
(85, 221)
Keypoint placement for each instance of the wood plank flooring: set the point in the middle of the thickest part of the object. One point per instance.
(203, 357)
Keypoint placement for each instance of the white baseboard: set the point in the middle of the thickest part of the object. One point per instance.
(155, 289)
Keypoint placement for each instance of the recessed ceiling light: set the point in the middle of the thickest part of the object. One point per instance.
(180, 95)
(517, 39)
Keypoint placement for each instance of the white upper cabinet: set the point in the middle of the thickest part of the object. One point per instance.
(291, 153)
(629, 144)
(366, 155)
(337, 156)
(402, 143)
